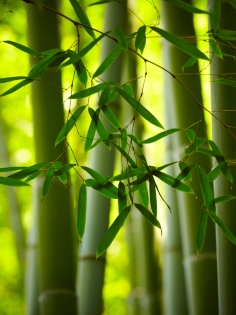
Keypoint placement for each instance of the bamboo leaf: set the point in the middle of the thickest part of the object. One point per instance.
(33, 176)
(47, 182)
(201, 231)
(148, 215)
(153, 197)
(136, 140)
(26, 171)
(81, 72)
(187, 7)
(108, 189)
(108, 61)
(128, 89)
(64, 169)
(111, 117)
(139, 108)
(181, 44)
(101, 2)
(103, 100)
(99, 178)
(143, 193)
(92, 90)
(216, 48)
(207, 152)
(214, 173)
(126, 156)
(69, 125)
(122, 197)
(17, 87)
(12, 182)
(120, 36)
(91, 131)
(224, 228)
(224, 198)
(129, 172)
(190, 62)
(221, 161)
(215, 15)
(186, 171)
(174, 183)
(140, 40)
(191, 135)
(226, 81)
(81, 214)
(81, 14)
(194, 146)
(22, 48)
(9, 79)
(206, 190)
(160, 135)
(112, 232)
(11, 168)
(102, 131)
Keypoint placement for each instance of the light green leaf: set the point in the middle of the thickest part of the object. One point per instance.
(69, 125)
(81, 214)
(112, 232)
(181, 44)
(187, 7)
(111, 116)
(47, 182)
(91, 131)
(22, 48)
(123, 140)
(9, 79)
(194, 146)
(165, 165)
(174, 183)
(221, 161)
(120, 36)
(143, 193)
(126, 156)
(33, 176)
(122, 197)
(17, 87)
(108, 189)
(139, 108)
(26, 171)
(206, 190)
(224, 228)
(12, 182)
(153, 197)
(101, 179)
(82, 17)
(216, 48)
(92, 90)
(224, 198)
(135, 140)
(190, 62)
(140, 40)
(148, 215)
(160, 135)
(108, 61)
(102, 131)
(201, 231)
(226, 81)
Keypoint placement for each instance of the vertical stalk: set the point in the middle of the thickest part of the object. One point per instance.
(55, 219)
(224, 97)
(200, 274)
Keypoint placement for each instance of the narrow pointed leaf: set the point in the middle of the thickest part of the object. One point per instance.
(29, 170)
(47, 182)
(139, 108)
(17, 87)
(9, 79)
(186, 171)
(122, 197)
(140, 179)
(206, 152)
(174, 183)
(91, 131)
(194, 146)
(214, 173)
(187, 7)
(112, 232)
(143, 194)
(148, 215)
(69, 125)
(101, 179)
(189, 63)
(120, 36)
(126, 156)
(12, 182)
(81, 72)
(111, 116)
(140, 40)
(135, 140)
(215, 15)
(108, 189)
(207, 194)
(226, 81)
(181, 44)
(160, 135)
(108, 61)
(90, 91)
(216, 49)
(22, 48)
(81, 214)
(191, 135)
(165, 166)
(129, 172)
(153, 197)
(201, 231)
(64, 169)
(82, 17)
(224, 198)
(11, 168)
(128, 89)
(103, 100)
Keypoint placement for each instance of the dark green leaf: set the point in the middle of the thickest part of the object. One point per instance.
(206, 190)
(123, 140)
(215, 15)
(153, 197)
(207, 152)
(201, 231)
(214, 173)
(139, 108)
(224, 228)
(140, 179)
(148, 215)
(216, 48)
(143, 194)
(47, 182)
(191, 135)
(140, 40)
(91, 131)
(194, 146)
(99, 178)
(189, 63)
(81, 214)
(126, 155)
(17, 87)
(104, 98)
(224, 198)
(33, 176)
(187, 7)
(64, 169)
(112, 232)
(181, 44)
(29, 170)
(107, 189)
(233, 3)
(122, 197)
(81, 72)
(226, 81)
(111, 116)
(136, 140)
(11, 182)
(186, 171)
(165, 165)
(174, 183)
(129, 172)
(161, 135)
(11, 168)
(69, 125)
(91, 91)
(22, 48)
(9, 79)
(120, 36)
(108, 61)
(82, 17)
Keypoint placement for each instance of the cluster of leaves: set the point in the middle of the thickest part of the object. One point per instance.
(137, 173)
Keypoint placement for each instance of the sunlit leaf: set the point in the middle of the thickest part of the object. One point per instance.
(190, 62)
(91, 131)
(108, 189)
(139, 108)
(140, 40)
(126, 155)
(148, 215)
(108, 61)
(112, 232)
(174, 183)
(221, 161)
(11, 182)
(201, 231)
(81, 214)
(17, 87)
(187, 7)
(11, 168)
(165, 165)
(224, 198)
(69, 125)
(111, 116)
(153, 197)
(81, 14)
(22, 48)
(101, 179)
(207, 194)
(47, 182)
(25, 172)
(161, 135)
(120, 36)
(122, 197)
(9, 79)
(181, 44)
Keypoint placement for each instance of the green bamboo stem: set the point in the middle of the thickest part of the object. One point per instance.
(91, 271)
(224, 97)
(200, 274)
(56, 235)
